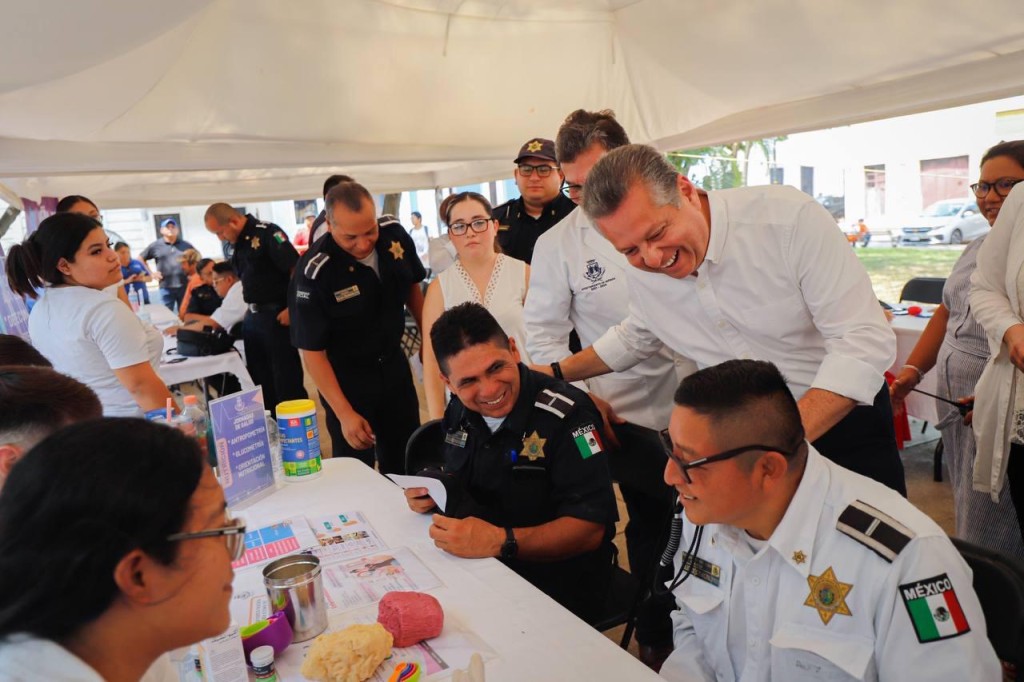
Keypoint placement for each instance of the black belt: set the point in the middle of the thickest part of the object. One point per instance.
(265, 307)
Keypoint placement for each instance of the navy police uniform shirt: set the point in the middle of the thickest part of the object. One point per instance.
(263, 258)
(339, 305)
(518, 230)
(204, 300)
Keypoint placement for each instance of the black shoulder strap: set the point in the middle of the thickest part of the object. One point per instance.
(875, 529)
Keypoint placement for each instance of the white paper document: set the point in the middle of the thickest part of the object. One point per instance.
(433, 486)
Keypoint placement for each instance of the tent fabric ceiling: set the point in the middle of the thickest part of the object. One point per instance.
(144, 103)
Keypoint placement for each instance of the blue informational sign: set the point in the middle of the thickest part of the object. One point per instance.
(243, 445)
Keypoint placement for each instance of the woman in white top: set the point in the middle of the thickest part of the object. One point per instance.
(76, 203)
(115, 548)
(84, 332)
(480, 275)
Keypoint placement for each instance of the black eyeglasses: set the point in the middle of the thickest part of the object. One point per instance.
(572, 191)
(478, 225)
(684, 467)
(543, 171)
(1002, 186)
(234, 536)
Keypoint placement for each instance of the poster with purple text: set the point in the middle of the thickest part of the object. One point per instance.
(243, 445)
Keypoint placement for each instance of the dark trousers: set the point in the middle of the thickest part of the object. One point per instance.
(1015, 481)
(639, 468)
(271, 358)
(865, 442)
(172, 297)
(382, 392)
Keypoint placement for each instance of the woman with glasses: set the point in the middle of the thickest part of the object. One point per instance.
(480, 275)
(80, 328)
(955, 342)
(115, 547)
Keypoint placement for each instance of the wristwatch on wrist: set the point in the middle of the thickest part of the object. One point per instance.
(510, 547)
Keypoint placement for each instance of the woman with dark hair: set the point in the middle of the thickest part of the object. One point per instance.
(84, 332)
(480, 275)
(76, 203)
(115, 547)
(955, 342)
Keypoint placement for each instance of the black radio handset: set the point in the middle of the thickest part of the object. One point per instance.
(687, 563)
(675, 534)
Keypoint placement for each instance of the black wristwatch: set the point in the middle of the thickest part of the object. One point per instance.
(556, 370)
(510, 547)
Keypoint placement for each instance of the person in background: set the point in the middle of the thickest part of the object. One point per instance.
(204, 298)
(116, 548)
(76, 203)
(232, 309)
(15, 350)
(863, 233)
(419, 236)
(190, 266)
(791, 567)
(541, 204)
(84, 332)
(480, 275)
(303, 234)
(167, 251)
(35, 402)
(134, 272)
(955, 343)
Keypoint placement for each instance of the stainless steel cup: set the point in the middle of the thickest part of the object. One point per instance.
(295, 586)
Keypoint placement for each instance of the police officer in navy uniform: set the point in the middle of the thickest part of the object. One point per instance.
(541, 204)
(524, 467)
(264, 260)
(348, 301)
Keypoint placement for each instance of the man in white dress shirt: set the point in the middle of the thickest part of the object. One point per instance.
(753, 272)
(578, 281)
(232, 308)
(792, 568)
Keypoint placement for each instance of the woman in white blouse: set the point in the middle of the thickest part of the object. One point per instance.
(481, 275)
(83, 331)
(997, 302)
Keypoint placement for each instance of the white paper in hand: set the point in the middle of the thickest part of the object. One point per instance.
(434, 487)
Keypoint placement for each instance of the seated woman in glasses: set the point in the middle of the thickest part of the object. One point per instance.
(115, 548)
(480, 275)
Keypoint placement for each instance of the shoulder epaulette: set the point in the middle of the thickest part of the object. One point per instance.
(262, 225)
(388, 219)
(314, 265)
(555, 403)
(875, 529)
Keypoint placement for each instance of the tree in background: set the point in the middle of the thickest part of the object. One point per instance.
(724, 165)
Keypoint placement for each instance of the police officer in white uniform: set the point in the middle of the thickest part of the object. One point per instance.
(793, 568)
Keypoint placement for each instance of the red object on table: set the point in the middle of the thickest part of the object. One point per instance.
(900, 421)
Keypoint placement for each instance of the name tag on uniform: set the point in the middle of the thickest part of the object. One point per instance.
(457, 438)
(700, 568)
(345, 294)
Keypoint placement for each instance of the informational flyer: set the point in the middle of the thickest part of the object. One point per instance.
(353, 583)
(263, 545)
(243, 445)
(341, 536)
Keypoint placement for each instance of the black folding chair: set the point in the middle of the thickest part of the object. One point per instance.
(999, 584)
(423, 450)
(923, 290)
(621, 602)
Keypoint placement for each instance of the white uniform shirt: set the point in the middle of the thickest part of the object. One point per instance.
(25, 659)
(578, 280)
(779, 283)
(232, 309)
(87, 334)
(870, 634)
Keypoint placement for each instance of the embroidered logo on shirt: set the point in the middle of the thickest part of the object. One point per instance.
(828, 595)
(396, 250)
(594, 271)
(587, 441)
(345, 294)
(255, 242)
(533, 447)
(301, 295)
(934, 609)
(280, 238)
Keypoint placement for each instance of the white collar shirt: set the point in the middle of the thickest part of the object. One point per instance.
(870, 634)
(24, 658)
(232, 309)
(779, 282)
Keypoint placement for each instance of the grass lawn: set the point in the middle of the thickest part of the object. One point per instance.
(890, 268)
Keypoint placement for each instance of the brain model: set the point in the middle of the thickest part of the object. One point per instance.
(410, 617)
(351, 655)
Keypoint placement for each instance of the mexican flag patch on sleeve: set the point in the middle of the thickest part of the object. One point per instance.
(934, 609)
(587, 441)
(280, 237)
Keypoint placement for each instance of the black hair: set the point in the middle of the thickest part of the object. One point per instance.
(224, 268)
(65, 204)
(417, 214)
(203, 262)
(38, 399)
(15, 350)
(452, 200)
(751, 394)
(1013, 149)
(118, 246)
(33, 262)
(465, 325)
(75, 505)
(349, 194)
(333, 181)
(582, 129)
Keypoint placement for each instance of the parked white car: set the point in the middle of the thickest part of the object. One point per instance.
(951, 221)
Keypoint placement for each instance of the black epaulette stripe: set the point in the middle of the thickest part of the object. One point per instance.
(874, 529)
(314, 265)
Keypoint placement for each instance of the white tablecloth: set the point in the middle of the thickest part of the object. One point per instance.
(534, 637)
(908, 330)
(195, 368)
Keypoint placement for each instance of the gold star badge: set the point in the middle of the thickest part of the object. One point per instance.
(255, 242)
(828, 595)
(396, 250)
(534, 146)
(799, 557)
(533, 447)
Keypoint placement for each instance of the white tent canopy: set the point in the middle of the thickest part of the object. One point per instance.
(148, 102)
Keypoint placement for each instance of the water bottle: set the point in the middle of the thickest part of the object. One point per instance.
(133, 299)
(197, 415)
(274, 436)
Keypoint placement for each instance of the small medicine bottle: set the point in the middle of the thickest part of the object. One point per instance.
(262, 658)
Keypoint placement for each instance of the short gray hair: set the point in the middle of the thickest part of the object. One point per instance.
(619, 170)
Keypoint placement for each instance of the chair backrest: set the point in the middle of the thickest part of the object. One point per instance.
(999, 584)
(424, 448)
(923, 290)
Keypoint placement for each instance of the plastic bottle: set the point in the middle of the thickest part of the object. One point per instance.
(300, 440)
(274, 436)
(197, 415)
(133, 299)
(262, 658)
